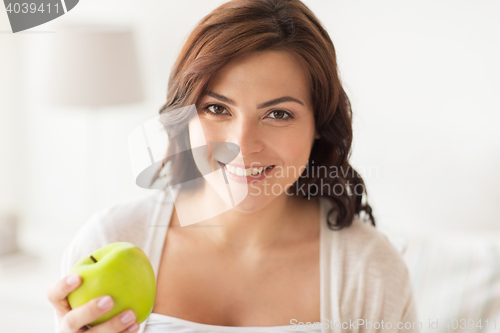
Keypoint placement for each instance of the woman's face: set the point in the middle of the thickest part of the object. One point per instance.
(262, 103)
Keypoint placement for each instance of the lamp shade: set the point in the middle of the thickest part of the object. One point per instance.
(93, 66)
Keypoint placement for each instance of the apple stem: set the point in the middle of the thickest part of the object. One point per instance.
(93, 259)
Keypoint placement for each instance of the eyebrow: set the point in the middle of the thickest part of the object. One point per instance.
(259, 106)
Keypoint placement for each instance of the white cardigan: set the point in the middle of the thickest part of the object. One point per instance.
(362, 275)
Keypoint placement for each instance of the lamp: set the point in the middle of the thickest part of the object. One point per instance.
(8, 234)
(93, 67)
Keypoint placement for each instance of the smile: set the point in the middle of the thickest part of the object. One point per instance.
(248, 175)
(245, 172)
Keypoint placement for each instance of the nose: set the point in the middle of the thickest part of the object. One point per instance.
(247, 135)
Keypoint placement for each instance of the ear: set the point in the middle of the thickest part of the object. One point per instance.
(317, 136)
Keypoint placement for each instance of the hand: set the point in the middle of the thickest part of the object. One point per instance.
(77, 320)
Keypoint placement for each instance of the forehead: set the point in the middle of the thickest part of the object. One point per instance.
(261, 76)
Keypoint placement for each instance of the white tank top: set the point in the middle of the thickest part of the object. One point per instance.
(158, 323)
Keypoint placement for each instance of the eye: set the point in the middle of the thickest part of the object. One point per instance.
(215, 109)
(219, 110)
(280, 115)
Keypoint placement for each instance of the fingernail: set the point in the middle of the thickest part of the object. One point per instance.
(72, 279)
(105, 302)
(126, 318)
(132, 328)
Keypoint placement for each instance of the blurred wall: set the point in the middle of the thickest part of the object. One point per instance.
(422, 77)
(11, 108)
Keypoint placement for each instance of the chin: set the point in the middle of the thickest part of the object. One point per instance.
(252, 204)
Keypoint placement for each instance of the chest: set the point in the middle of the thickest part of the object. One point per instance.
(203, 285)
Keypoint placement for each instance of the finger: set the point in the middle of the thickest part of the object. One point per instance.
(85, 314)
(123, 322)
(132, 329)
(58, 292)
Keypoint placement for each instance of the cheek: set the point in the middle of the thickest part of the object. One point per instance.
(201, 132)
(196, 134)
(295, 147)
(296, 151)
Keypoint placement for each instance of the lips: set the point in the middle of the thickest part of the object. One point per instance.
(251, 171)
(246, 179)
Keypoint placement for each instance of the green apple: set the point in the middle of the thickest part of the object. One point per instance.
(122, 271)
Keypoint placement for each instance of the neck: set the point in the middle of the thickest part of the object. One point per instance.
(282, 220)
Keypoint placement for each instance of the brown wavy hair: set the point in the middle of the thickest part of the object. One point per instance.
(239, 27)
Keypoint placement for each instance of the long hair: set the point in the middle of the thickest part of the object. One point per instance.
(239, 27)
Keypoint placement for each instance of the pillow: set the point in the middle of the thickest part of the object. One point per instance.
(456, 281)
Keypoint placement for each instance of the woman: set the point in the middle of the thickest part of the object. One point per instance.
(291, 248)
